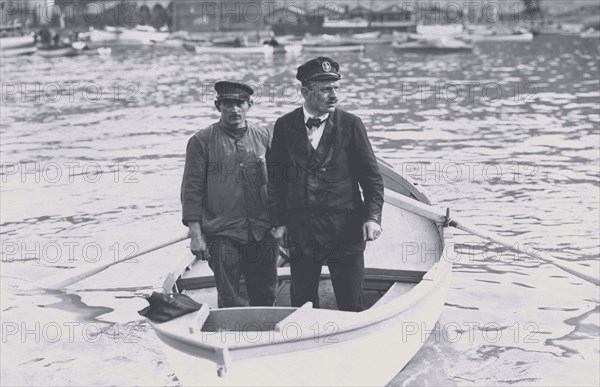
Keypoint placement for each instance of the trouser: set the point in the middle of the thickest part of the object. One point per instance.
(255, 260)
(347, 277)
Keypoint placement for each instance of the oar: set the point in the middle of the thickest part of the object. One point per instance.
(439, 215)
(72, 276)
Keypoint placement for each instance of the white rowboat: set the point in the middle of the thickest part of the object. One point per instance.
(326, 48)
(407, 276)
(18, 52)
(433, 45)
(58, 52)
(264, 49)
(15, 42)
(519, 37)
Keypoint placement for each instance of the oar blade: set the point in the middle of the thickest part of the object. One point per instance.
(438, 215)
(69, 277)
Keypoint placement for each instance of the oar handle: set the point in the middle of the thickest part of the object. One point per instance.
(70, 277)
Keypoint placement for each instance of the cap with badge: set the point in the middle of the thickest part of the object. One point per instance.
(319, 69)
(233, 90)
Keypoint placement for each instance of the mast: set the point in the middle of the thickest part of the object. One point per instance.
(259, 23)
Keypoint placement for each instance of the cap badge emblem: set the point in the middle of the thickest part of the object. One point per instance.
(326, 66)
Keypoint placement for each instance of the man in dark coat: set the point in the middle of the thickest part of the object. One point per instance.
(319, 157)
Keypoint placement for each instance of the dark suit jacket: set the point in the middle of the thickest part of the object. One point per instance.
(316, 193)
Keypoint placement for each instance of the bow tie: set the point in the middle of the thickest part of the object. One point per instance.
(313, 123)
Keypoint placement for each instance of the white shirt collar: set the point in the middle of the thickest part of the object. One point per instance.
(307, 115)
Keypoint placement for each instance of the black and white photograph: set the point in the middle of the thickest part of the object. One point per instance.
(300, 193)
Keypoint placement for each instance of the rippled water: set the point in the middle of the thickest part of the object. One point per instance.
(508, 137)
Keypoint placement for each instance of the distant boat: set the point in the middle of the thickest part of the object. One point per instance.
(264, 49)
(14, 42)
(497, 36)
(118, 35)
(53, 52)
(108, 35)
(325, 48)
(142, 34)
(440, 29)
(367, 35)
(590, 33)
(370, 38)
(437, 45)
(330, 43)
(17, 45)
(217, 49)
(85, 49)
(18, 52)
(564, 29)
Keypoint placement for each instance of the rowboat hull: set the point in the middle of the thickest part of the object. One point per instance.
(590, 34)
(15, 42)
(502, 37)
(136, 36)
(373, 355)
(427, 47)
(58, 52)
(369, 38)
(18, 51)
(333, 48)
(264, 49)
(371, 41)
(304, 346)
(249, 50)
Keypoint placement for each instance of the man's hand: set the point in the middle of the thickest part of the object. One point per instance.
(280, 233)
(197, 243)
(371, 230)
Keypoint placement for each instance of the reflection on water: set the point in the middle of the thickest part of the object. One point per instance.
(92, 155)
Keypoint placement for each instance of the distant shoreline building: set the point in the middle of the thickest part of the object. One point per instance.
(283, 16)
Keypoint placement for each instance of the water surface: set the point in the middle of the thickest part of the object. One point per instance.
(508, 137)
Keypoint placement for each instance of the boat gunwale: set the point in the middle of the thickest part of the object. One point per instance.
(355, 321)
(221, 352)
(214, 348)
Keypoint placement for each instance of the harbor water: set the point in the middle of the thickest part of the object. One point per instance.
(507, 137)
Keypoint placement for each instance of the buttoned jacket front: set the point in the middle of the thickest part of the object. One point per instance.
(315, 193)
(224, 184)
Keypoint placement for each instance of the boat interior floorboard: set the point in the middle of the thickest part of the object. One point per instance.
(372, 294)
